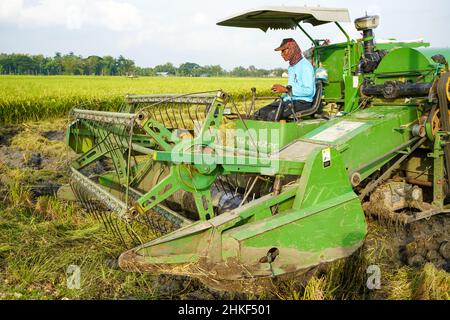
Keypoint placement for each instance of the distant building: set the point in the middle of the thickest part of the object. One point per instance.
(162, 74)
(285, 75)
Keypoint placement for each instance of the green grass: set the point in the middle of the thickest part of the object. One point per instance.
(38, 243)
(40, 97)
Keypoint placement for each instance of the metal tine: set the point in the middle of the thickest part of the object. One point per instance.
(173, 106)
(190, 117)
(158, 225)
(180, 109)
(118, 154)
(114, 228)
(113, 151)
(108, 146)
(124, 132)
(162, 118)
(196, 117)
(76, 188)
(134, 222)
(216, 186)
(231, 190)
(131, 234)
(117, 228)
(95, 127)
(162, 229)
(207, 108)
(106, 222)
(167, 113)
(91, 207)
(100, 214)
(153, 114)
(267, 183)
(203, 109)
(225, 189)
(219, 186)
(139, 220)
(85, 203)
(79, 192)
(149, 223)
(236, 180)
(109, 221)
(245, 107)
(155, 229)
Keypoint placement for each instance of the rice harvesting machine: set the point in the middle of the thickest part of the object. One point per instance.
(204, 190)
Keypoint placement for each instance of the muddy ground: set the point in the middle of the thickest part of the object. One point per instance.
(36, 153)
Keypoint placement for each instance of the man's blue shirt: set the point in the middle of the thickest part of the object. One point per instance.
(302, 80)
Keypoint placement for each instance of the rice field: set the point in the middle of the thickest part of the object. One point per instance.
(40, 236)
(38, 97)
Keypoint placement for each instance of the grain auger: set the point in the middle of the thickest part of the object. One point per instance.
(231, 198)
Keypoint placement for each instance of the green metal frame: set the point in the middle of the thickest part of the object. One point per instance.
(318, 217)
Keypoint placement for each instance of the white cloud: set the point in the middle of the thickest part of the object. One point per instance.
(374, 9)
(113, 15)
(154, 32)
(200, 19)
(117, 16)
(74, 18)
(10, 9)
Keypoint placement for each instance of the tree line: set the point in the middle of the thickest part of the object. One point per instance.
(71, 64)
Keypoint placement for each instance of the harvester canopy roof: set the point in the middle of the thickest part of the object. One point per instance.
(285, 17)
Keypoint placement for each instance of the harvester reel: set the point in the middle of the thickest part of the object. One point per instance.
(182, 177)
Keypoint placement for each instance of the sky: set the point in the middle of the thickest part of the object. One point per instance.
(155, 32)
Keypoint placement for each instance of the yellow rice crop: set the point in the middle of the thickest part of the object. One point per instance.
(40, 97)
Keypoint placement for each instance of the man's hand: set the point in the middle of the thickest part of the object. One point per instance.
(279, 88)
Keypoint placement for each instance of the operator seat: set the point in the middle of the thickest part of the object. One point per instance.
(314, 106)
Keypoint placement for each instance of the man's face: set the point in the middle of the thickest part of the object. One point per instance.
(285, 53)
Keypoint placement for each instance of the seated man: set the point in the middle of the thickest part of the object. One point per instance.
(301, 79)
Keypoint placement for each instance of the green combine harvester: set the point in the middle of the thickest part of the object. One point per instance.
(203, 190)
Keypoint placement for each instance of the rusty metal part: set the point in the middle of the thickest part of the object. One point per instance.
(399, 203)
(198, 98)
(436, 122)
(371, 186)
(420, 182)
(100, 194)
(103, 116)
(276, 190)
(445, 121)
